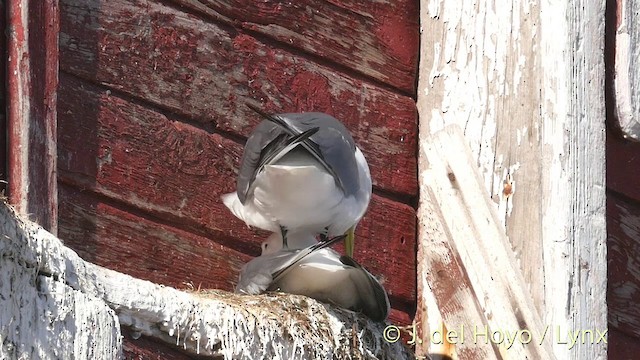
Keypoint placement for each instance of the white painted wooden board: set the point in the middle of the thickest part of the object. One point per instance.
(460, 228)
(525, 82)
(41, 318)
(627, 68)
(276, 326)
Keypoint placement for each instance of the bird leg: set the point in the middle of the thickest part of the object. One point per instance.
(283, 231)
(349, 241)
(324, 236)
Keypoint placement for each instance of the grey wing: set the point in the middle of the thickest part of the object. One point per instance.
(258, 274)
(334, 143)
(263, 135)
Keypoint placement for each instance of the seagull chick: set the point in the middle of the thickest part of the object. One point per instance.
(318, 184)
(317, 272)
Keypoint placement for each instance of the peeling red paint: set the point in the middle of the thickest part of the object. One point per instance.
(32, 76)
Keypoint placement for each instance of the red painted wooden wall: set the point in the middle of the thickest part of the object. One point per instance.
(152, 120)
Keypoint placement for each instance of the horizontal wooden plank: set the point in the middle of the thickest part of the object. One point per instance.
(177, 173)
(208, 73)
(377, 39)
(623, 295)
(116, 239)
(623, 166)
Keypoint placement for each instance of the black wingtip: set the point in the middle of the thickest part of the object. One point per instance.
(258, 110)
(379, 309)
(274, 119)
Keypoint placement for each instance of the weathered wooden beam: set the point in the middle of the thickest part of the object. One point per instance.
(32, 80)
(206, 73)
(626, 68)
(176, 173)
(3, 101)
(42, 316)
(275, 326)
(525, 81)
(468, 260)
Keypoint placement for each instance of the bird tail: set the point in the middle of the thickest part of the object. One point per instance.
(247, 213)
(285, 147)
(303, 254)
(307, 143)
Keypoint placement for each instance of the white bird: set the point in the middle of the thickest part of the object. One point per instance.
(320, 184)
(317, 272)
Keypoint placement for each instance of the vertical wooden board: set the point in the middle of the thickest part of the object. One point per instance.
(176, 173)
(623, 294)
(485, 80)
(32, 79)
(207, 73)
(466, 217)
(3, 102)
(379, 39)
(504, 74)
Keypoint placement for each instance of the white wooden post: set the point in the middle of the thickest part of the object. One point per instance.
(524, 80)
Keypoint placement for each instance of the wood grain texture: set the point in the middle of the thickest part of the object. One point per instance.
(623, 295)
(32, 79)
(176, 173)
(207, 73)
(527, 90)
(466, 257)
(378, 39)
(110, 237)
(626, 69)
(623, 166)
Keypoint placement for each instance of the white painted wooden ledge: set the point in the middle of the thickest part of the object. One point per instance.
(55, 305)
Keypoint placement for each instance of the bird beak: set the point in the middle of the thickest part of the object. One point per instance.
(349, 241)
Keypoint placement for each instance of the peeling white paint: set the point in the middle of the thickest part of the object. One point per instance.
(524, 80)
(520, 134)
(274, 326)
